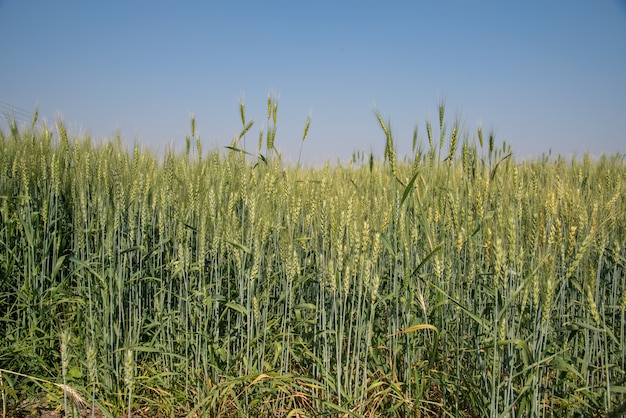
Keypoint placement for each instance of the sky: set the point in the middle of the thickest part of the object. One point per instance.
(545, 76)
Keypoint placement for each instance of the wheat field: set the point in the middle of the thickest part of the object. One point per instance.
(457, 282)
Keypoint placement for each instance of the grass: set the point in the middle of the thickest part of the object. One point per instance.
(457, 282)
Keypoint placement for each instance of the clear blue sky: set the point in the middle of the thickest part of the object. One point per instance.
(542, 74)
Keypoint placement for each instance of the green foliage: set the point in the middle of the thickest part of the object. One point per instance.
(473, 285)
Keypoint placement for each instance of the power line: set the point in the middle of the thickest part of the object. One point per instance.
(11, 113)
(4, 106)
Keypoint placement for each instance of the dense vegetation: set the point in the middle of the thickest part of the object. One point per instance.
(459, 282)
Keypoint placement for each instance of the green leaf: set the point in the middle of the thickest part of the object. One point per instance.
(57, 266)
(561, 364)
(387, 245)
(493, 172)
(428, 257)
(75, 372)
(240, 246)
(527, 356)
(408, 187)
(414, 328)
(237, 307)
(237, 150)
(482, 322)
